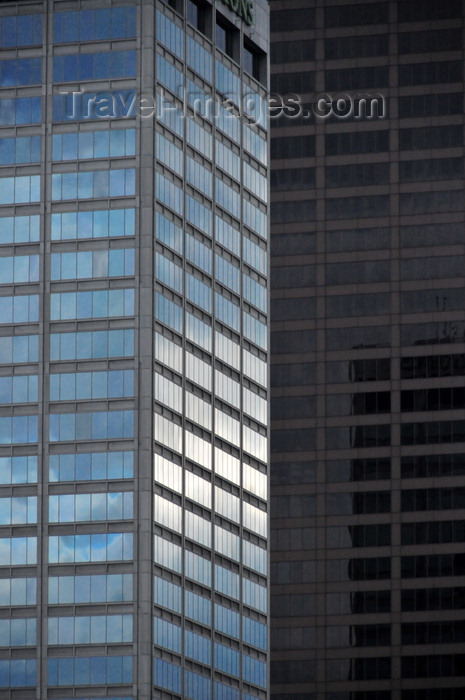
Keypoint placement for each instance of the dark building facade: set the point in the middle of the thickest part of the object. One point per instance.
(133, 350)
(368, 352)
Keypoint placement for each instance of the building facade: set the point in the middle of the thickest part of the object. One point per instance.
(368, 350)
(133, 350)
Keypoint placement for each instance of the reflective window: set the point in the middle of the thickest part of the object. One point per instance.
(16, 551)
(18, 632)
(91, 466)
(94, 66)
(17, 673)
(93, 224)
(19, 389)
(170, 35)
(18, 510)
(24, 348)
(18, 429)
(98, 304)
(168, 233)
(91, 506)
(81, 548)
(199, 59)
(168, 594)
(94, 588)
(89, 185)
(20, 229)
(22, 30)
(94, 144)
(18, 591)
(20, 268)
(91, 25)
(21, 71)
(95, 629)
(170, 76)
(199, 137)
(19, 190)
(97, 263)
(20, 150)
(91, 426)
(20, 309)
(169, 193)
(167, 675)
(91, 344)
(93, 670)
(167, 635)
(20, 110)
(198, 176)
(18, 470)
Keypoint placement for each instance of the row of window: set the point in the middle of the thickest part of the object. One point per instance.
(94, 66)
(171, 556)
(20, 190)
(86, 264)
(90, 629)
(20, 110)
(93, 670)
(169, 675)
(99, 425)
(93, 224)
(433, 532)
(23, 149)
(94, 144)
(98, 304)
(94, 25)
(90, 506)
(92, 588)
(21, 30)
(19, 389)
(21, 71)
(89, 344)
(90, 385)
(85, 185)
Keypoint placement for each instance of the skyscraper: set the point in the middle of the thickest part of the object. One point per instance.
(368, 349)
(133, 350)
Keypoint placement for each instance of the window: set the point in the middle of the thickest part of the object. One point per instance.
(292, 20)
(428, 41)
(93, 224)
(93, 670)
(91, 466)
(90, 548)
(98, 304)
(20, 110)
(357, 15)
(92, 264)
(196, 14)
(292, 51)
(356, 46)
(19, 190)
(21, 71)
(93, 144)
(22, 30)
(224, 36)
(90, 629)
(94, 66)
(92, 344)
(357, 142)
(89, 185)
(91, 426)
(409, 11)
(20, 150)
(91, 25)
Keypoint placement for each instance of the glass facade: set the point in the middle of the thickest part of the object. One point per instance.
(367, 354)
(133, 352)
